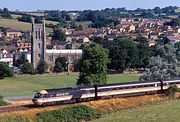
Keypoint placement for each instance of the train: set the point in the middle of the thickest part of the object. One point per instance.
(87, 93)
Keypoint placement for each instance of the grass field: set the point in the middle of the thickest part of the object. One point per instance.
(25, 85)
(168, 111)
(15, 24)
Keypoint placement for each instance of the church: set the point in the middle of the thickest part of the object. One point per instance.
(39, 51)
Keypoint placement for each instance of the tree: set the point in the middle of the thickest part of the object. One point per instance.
(21, 60)
(164, 65)
(6, 13)
(68, 46)
(42, 67)
(123, 54)
(93, 65)
(25, 18)
(144, 52)
(27, 68)
(58, 35)
(5, 70)
(60, 64)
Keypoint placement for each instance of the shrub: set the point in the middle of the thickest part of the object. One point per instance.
(70, 114)
(2, 102)
(171, 91)
(27, 68)
(42, 67)
(5, 70)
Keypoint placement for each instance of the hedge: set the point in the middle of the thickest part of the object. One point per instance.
(70, 114)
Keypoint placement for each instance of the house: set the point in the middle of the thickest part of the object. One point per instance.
(6, 57)
(12, 33)
(174, 39)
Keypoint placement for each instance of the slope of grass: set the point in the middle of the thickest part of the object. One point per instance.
(166, 112)
(15, 24)
(25, 85)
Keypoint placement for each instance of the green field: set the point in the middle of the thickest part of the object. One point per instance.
(168, 111)
(15, 24)
(25, 85)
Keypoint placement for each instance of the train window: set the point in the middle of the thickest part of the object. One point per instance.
(37, 95)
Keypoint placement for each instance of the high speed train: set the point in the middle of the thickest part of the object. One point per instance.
(76, 94)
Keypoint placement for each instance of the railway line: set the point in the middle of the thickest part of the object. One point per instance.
(10, 108)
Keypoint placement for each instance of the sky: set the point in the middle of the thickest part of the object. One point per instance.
(32, 5)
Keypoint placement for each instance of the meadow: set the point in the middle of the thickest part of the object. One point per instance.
(168, 111)
(26, 85)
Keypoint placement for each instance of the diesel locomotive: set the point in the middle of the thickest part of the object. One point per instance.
(76, 94)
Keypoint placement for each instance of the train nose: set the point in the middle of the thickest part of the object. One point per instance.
(35, 101)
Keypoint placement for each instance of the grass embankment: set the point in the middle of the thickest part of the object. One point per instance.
(168, 111)
(135, 109)
(25, 85)
(22, 26)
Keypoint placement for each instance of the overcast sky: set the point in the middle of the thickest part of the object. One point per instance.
(32, 5)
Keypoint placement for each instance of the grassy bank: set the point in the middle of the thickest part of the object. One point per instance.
(168, 111)
(25, 85)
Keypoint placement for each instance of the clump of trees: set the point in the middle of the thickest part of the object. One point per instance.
(93, 65)
(2, 102)
(164, 65)
(5, 13)
(58, 35)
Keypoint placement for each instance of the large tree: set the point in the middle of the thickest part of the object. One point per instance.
(60, 64)
(164, 65)
(144, 52)
(6, 13)
(93, 65)
(58, 35)
(123, 54)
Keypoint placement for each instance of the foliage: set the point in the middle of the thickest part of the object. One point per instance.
(77, 65)
(6, 13)
(144, 52)
(27, 68)
(68, 46)
(123, 54)
(42, 67)
(93, 65)
(70, 114)
(164, 65)
(2, 102)
(25, 18)
(21, 60)
(171, 91)
(58, 35)
(60, 64)
(5, 70)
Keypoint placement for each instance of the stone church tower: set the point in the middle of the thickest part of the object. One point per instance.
(38, 42)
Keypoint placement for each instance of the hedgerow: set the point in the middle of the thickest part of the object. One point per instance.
(70, 114)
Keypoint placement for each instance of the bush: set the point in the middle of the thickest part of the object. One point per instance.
(171, 91)
(27, 68)
(42, 67)
(70, 114)
(5, 70)
(2, 102)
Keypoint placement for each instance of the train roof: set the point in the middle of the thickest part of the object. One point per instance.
(129, 83)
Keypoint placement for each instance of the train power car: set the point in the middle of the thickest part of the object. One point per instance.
(72, 95)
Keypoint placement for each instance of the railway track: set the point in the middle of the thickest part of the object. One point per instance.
(16, 108)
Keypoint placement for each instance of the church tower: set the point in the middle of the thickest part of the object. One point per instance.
(38, 42)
